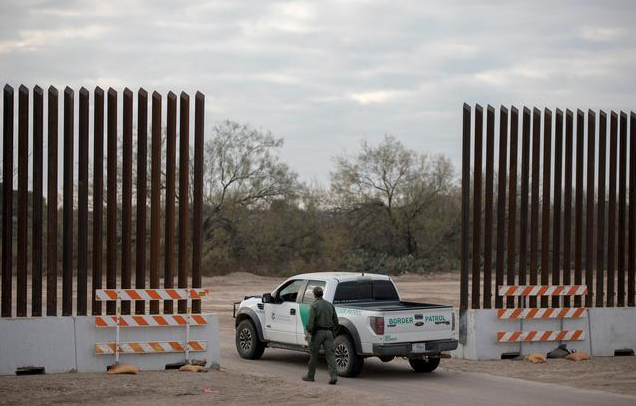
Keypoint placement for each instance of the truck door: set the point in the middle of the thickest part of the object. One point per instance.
(305, 303)
(281, 317)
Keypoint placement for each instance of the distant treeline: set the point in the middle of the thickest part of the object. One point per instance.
(386, 209)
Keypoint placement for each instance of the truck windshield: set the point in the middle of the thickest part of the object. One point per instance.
(365, 291)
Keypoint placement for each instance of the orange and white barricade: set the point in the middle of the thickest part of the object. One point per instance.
(118, 321)
(522, 313)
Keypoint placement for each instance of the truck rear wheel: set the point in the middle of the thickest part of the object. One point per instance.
(424, 364)
(348, 362)
(247, 343)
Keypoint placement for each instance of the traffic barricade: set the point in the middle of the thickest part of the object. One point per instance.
(119, 321)
(523, 313)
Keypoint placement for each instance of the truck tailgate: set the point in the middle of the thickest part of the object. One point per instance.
(418, 325)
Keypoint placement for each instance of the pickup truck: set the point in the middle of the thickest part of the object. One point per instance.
(374, 322)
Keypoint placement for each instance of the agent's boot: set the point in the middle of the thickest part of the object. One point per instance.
(308, 378)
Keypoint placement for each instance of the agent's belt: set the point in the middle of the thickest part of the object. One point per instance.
(320, 328)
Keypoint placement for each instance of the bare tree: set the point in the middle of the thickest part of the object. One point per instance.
(386, 191)
(242, 168)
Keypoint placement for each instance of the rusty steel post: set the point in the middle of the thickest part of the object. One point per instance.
(51, 205)
(67, 231)
(7, 200)
(545, 227)
(82, 205)
(184, 163)
(512, 201)
(23, 199)
(567, 201)
(126, 204)
(155, 199)
(558, 192)
(38, 171)
(600, 223)
(98, 197)
(197, 204)
(589, 240)
(168, 281)
(142, 167)
(622, 193)
(478, 168)
(501, 204)
(611, 215)
(631, 250)
(111, 198)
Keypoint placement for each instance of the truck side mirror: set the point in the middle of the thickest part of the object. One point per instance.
(267, 298)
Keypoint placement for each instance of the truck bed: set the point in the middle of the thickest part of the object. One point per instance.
(390, 306)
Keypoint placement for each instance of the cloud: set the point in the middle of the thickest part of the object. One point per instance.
(375, 97)
(291, 17)
(325, 74)
(601, 34)
(32, 40)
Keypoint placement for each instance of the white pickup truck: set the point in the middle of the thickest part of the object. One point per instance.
(374, 322)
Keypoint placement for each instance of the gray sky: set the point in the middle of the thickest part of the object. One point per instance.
(325, 74)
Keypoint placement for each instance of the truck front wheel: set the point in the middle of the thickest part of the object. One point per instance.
(424, 364)
(247, 343)
(348, 362)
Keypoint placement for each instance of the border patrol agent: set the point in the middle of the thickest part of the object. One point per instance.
(321, 326)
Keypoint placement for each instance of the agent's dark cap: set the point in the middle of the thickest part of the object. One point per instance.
(317, 291)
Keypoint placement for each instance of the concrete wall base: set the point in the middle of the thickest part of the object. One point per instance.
(606, 330)
(613, 328)
(66, 344)
(47, 342)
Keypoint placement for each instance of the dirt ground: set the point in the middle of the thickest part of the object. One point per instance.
(242, 387)
(609, 374)
(151, 388)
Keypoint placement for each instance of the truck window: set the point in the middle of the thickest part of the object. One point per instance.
(308, 296)
(384, 290)
(365, 291)
(289, 292)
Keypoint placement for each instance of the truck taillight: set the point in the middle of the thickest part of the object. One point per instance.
(377, 324)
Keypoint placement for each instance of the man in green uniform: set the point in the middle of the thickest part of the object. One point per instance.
(321, 326)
